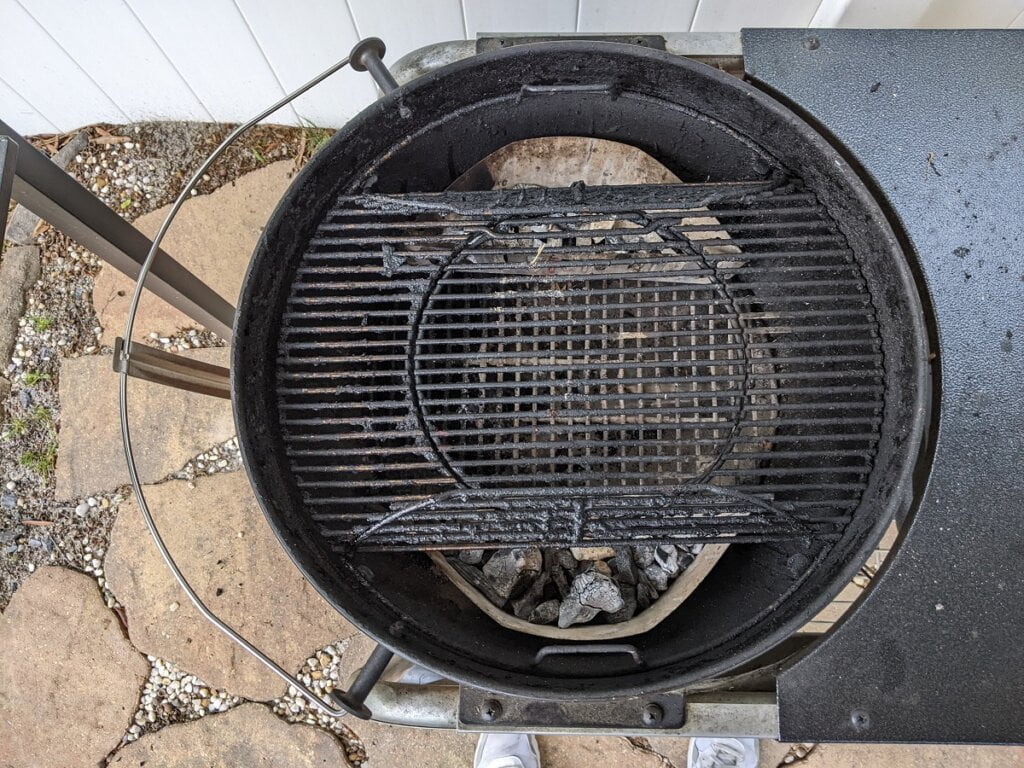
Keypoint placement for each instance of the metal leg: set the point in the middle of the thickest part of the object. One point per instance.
(53, 195)
(162, 367)
(8, 157)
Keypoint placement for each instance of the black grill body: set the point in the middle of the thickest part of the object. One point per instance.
(807, 419)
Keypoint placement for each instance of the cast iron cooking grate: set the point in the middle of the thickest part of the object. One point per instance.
(686, 362)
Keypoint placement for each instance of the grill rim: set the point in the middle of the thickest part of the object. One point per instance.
(313, 191)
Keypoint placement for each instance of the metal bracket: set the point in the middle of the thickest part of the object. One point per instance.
(8, 158)
(161, 367)
(482, 710)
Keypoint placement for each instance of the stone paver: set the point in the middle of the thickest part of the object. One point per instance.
(213, 236)
(226, 549)
(244, 737)
(169, 426)
(69, 680)
(604, 751)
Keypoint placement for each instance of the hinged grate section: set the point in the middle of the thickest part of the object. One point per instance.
(580, 365)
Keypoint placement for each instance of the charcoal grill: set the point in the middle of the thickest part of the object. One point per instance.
(741, 357)
(733, 358)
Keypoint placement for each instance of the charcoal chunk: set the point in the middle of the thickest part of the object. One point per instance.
(623, 566)
(531, 598)
(667, 557)
(510, 571)
(629, 605)
(545, 613)
(476, 578)
(471, 556)
(643, 554)
(591, 593)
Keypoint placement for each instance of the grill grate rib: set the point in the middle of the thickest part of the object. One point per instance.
(569, 366)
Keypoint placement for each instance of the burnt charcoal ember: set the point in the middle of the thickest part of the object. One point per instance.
(531, 598)
(646, 593)
(624, 567)
(656, 576)
(667, 556)
(510, 571)
(475, 577)
(559, 565)
(564, 559)
(471, 556)
(562, 580)
(592, 553)
(591, 593)
(629, 605)
(643, 554)
(545, 613)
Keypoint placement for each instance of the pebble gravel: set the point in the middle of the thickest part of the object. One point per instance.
(321, 674)
(171, 696)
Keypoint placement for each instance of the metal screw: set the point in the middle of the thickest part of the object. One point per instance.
(812, 43)
(652, 714)
(490, 710)
(860, 720)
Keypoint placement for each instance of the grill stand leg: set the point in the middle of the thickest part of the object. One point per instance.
(55, 196)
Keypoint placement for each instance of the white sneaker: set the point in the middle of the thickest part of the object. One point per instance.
(507, 750)
(723, 753)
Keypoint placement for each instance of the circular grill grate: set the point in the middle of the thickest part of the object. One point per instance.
(576, 376)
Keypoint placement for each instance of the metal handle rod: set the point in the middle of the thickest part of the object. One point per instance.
(210, 616)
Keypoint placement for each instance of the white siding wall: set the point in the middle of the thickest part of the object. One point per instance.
(66, 63)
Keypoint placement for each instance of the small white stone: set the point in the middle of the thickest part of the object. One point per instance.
(173, 607)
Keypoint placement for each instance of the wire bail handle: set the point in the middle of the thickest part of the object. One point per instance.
(365, 56)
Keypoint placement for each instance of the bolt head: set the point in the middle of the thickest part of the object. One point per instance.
(490, 710)
(652, 714)
(860, 719)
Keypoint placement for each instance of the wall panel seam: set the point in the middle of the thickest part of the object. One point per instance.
(355, 22)
(73, 60)
(15, 91)
(263, 53)
(169, 60)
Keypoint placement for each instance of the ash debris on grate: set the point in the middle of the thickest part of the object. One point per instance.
(578, 585)
(321, 673)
